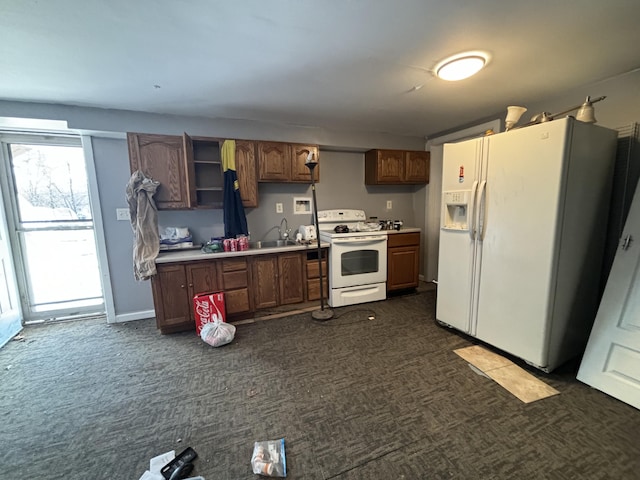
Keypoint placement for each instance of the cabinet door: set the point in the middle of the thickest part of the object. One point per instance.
(171, 299)
(416, 169)
(384, 167)
(265, 284)
(299, 171)
(162, 157)
(402, 267)
(202, 278)
(247, 172)
(290, 276)
(274, 162)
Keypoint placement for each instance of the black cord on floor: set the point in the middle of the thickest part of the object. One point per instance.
(364, 314)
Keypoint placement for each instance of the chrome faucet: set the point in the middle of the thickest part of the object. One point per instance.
(284, 232)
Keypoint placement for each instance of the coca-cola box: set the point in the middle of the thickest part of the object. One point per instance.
(208, 307)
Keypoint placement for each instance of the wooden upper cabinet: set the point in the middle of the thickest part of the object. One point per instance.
(299, 170)
(163, 158)
(416, 167)
(384, 166)
(396, 167)
(246, 167)
(285, 162)
(274, 162)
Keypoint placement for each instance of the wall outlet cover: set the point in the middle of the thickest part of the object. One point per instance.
(123, 214)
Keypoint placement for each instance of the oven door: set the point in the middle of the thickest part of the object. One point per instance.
(359, 260)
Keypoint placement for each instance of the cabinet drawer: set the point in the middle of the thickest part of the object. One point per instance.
(313, 269)
(313, 288)
(403, 239)
(234, 264)
(237, 301)
(233, 280)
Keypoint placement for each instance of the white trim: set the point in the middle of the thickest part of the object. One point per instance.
(471, 132)
(98, 228)
(129, 317)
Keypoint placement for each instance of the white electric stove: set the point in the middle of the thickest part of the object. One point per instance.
(357, 257)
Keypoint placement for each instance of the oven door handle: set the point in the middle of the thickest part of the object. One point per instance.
(360, 241)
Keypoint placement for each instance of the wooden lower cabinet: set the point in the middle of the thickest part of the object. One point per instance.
(290, 278)
(236, 284)
(249, 283)
(277, 279)
(174, 287)
(264, 269)
(313, 276)
(403, 257)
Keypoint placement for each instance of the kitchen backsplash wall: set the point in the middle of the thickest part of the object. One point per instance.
(341, 186)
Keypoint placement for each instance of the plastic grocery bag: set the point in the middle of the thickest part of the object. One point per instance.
(268, 458)
(217, 333)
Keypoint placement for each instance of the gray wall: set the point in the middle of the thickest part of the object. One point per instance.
(341, 184)
(341, 166)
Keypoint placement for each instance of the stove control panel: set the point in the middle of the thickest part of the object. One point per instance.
(338, 216)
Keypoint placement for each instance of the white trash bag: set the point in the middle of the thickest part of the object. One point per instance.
(217, 333)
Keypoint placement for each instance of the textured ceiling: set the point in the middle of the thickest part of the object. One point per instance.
(341, 65)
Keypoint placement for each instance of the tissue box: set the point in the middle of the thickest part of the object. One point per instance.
(208, 307)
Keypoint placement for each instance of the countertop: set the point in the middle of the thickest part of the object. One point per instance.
(196, 254)
(191, 255)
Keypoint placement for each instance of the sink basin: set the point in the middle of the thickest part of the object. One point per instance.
(271, 243)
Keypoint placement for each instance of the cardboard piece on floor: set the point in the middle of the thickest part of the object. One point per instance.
(507, 374)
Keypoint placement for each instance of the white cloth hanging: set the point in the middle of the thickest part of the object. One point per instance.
(144, 222)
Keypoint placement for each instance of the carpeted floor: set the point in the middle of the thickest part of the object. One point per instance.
(354, 399)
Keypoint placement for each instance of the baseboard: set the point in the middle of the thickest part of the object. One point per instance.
(130, 317)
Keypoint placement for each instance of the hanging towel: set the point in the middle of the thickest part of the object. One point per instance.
(144, 222)
(235, 221)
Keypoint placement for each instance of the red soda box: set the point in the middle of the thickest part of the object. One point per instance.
(208, 307)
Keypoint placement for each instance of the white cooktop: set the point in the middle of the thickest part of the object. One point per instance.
(355, 220)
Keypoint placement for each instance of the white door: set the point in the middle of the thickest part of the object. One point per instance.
(611, 362)
(46, 197)
(518, 238)
(460, 173)
(10, 316)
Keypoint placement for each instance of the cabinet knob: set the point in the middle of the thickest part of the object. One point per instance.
(191, 285)
(181, 286)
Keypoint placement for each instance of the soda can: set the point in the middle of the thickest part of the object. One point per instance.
(226, 244)
(243, 244)
(234, 244)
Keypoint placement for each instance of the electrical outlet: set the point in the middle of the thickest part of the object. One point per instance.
(123, 214)
(389, 204)
(279, 208)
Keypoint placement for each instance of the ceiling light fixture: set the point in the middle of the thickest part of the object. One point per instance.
(461, 66)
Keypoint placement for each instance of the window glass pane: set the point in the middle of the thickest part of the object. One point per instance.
(61, 267)
(51, 183)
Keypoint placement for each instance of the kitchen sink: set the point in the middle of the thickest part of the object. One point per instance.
(271, 244)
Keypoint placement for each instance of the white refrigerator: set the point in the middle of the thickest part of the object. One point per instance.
(523, 226)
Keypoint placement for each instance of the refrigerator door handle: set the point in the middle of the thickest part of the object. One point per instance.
(471, 212)
(480, 209)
